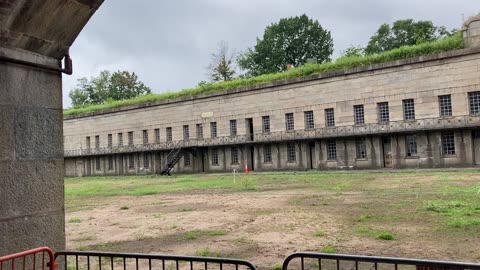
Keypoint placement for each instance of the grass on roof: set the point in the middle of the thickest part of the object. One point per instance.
(453, 42)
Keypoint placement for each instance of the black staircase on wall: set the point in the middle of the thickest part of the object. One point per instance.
(172, 158)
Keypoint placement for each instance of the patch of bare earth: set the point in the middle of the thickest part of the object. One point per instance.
(263, 227)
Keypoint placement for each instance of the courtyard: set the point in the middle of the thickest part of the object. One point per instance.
(263, 217)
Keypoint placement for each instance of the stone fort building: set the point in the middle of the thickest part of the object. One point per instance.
(421, 112)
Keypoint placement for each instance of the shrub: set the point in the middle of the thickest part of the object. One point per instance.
(385, 236)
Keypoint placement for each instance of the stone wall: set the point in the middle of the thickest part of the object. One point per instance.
(31, 155)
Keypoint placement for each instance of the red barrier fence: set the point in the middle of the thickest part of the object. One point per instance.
(35, 259)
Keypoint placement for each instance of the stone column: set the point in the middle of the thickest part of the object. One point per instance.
(31, 154)
(471, 32)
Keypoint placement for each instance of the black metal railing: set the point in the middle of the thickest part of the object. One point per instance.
(77, 260)
(468, 121)
(323, 261)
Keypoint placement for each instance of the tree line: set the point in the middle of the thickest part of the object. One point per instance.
(290, 42)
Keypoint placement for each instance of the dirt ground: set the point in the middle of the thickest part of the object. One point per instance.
(264, 226)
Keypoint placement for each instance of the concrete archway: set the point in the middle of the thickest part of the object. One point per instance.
(34, 36)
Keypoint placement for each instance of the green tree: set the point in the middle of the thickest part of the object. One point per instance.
(222, 66)
(404, 33)
(353, 51)
(290, 41)
(107, 86)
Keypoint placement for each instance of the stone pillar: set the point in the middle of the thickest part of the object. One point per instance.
(31, 154)
(471, 32)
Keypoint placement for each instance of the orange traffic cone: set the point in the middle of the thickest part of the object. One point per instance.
(246, 169)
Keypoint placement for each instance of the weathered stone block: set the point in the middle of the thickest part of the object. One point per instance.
(38, 133)
(7, 133)
(30, 187)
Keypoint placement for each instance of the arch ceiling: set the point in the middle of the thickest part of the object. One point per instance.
(47, 27)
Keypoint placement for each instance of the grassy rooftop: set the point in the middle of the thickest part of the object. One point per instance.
(454, 42)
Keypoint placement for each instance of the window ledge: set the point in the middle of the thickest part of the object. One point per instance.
(332, 160)
(267, 162)
(412, 157)
(361, 159)
(449, 156)
(291, 162)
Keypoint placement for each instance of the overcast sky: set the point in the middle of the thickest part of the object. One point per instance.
(169, 43)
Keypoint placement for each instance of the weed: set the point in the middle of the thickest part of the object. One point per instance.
(461, 222)
(248, 183)
(277, 267)
(140, 235)
(385, 236)
(158, 215)
(115, 223)
(186, 209)
(205, 252)
(328, 249)
(105, 246)
(192, 235)
(362, 218)
(82, 248)
(363, 230)
(318, 233)
(74, 220)
(125, 207)
(447, 207)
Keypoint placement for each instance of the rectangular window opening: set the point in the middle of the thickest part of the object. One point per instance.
(309, 120)
(361, 148)
(157, 135)
(331, 150)
(130, 138)
(445, 104)
(383, 112)
(289, 122)
(169, 134)
(267, 153)
(213, 130)
(234, 155)
(474, 102)
(199, 131)
(329, 117)
(233, 128)
(408, 109)
(359, 114)
(186, 133)
(411, 145)
(448, 143)
(266, 124)
(215, 157)
(145, 137)
(291, 152)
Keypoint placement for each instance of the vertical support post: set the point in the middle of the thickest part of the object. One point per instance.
(31, 155)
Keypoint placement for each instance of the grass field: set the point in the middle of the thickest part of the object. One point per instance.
(264, 217)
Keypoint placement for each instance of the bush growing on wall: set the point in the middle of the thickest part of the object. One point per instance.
(453, 42)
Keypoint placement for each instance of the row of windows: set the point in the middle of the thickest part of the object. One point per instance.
(447, 140)
(445, 106)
